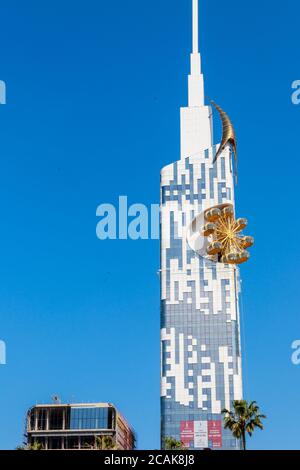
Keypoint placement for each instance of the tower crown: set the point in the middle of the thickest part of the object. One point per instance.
(196, 122)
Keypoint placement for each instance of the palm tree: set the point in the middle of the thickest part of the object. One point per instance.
(172, 444)
(243, 419)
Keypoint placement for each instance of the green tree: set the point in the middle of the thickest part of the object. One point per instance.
(105, 443)
(244, 418)
(173, 444)
(34, 446)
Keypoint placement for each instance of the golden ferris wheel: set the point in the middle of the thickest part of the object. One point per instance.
(226, 241)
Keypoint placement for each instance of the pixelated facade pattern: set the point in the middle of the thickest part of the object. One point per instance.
(200, 331)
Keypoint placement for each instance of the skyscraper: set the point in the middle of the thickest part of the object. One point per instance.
(201, 247)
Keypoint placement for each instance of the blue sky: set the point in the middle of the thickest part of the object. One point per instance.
(93, 96)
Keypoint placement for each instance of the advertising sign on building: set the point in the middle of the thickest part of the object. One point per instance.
(200, 435)
(215, 433)
(187, 432)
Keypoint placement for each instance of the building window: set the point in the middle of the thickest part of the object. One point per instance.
(72, 442)
(88, 442)
(56, 417)
(55, 443)
(90, 418)
(41, 419)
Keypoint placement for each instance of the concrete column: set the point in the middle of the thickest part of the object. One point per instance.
(35, 419)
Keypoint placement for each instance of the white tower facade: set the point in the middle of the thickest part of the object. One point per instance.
(200, 329)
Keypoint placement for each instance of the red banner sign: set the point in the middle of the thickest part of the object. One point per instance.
(187, 432)
(215, 433)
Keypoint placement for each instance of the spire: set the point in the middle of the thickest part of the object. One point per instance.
(196, 123)
(196, 89)
(195, 27)
(195, 56)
